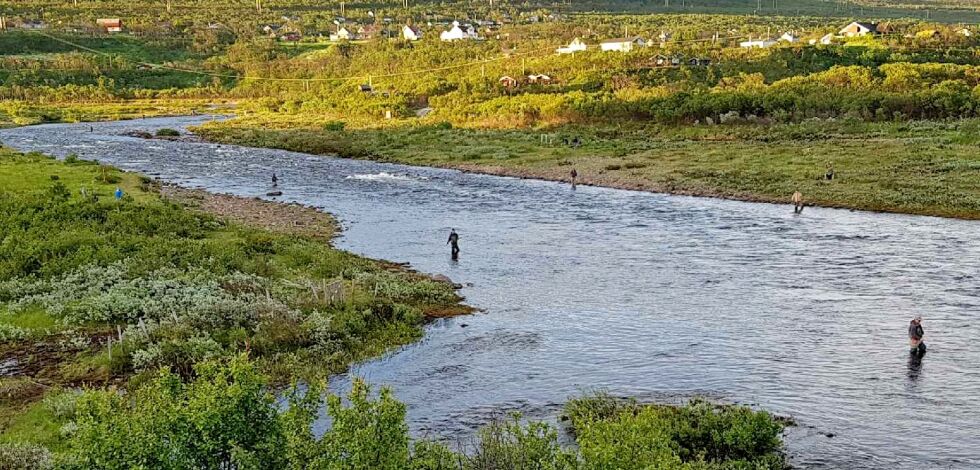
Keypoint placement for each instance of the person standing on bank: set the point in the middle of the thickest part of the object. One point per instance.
(916, 345)
(454, 241)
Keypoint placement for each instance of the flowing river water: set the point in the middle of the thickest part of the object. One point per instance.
(649, 295)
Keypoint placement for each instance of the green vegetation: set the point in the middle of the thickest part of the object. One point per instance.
(100, 291)
(225, 417)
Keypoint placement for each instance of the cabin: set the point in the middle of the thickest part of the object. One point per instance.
(577, 45)
(857, 28)
(110, 25)
(271, 30)
(410, 33)
(788, 37)
(458, 33)
(622, 44)
(34, 24)
(757, 43)
(507, 81)
(539, 79)
(343, 34)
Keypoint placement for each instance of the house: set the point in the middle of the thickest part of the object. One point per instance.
(964, 32)
(622, 44)
(661, 60)
(34, 24)
(699, 62)
(577, 45)
(368, 31)
(507, 81)
(757, 43)
(789, 37)
(366, 88)
(857, 28)
(458, 33)
(271, 30)
(110, 25)
(664, 36)
(291, 36)
(539, 78)
(343, 34)
(411, 34)
(827, 39)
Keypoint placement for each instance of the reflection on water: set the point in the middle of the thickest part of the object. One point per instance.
(647, 295)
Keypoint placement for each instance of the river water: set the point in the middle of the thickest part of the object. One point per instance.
(649, 295)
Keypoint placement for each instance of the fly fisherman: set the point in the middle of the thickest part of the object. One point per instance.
(916, 345)
(454, 241)
(797, 202)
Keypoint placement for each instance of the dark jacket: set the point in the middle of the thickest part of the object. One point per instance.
(915, 330)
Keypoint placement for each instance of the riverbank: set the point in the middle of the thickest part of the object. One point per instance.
(101, 291)
(923, 168)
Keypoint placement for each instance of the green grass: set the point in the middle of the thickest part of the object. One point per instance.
(929, 168)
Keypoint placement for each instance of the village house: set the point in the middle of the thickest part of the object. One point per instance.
(410, 33)
(539, 79)
(343, 34)
(757, 43)
(507, 81)
(291, 37)
(577, 45)
(458, 33)
(368, 31)
(271, 30)
(964, 32)
(110, 25)
(699, 62)
(622, 44)
(664, 37)
(857, 28)
(789, 37)
(33, 24)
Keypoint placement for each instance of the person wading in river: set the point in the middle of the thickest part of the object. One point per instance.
(275, 181)
(574, 174)
(797, 202)
(916, 345)
(454, 240)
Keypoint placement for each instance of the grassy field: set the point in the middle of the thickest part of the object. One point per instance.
(99, 291)
(930, 168)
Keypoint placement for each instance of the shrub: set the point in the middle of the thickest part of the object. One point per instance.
(167, 132)
(18, 456)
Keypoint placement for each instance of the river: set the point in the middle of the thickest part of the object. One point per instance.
(649, 295)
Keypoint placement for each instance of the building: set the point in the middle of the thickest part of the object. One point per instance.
(291, 36)
(110, 25)
(539, 78)
(369, 31)
(622, 44)
(964, 32)
(34, 24)
(757, 43)
(507, 81)
(343, 34)
(857, 28)
(458, 33)
(789, 37)
(411, 34)
(827, 39)
(271, 30)
(577, 45)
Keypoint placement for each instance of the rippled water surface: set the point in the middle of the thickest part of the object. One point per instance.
(656, 296)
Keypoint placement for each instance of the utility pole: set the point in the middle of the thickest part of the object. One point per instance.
(342, 9)
(523, 66)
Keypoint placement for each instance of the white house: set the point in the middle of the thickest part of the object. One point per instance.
(539, 78)
(411, 34)
(343, 34)
(788, 37)
(458, 33)
(577, 45)
(757, 43)
(622, 44)
(964, 32)
(827, 39)
(857, 28)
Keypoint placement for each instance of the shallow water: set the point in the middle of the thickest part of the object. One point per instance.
(656, 296)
